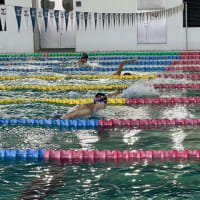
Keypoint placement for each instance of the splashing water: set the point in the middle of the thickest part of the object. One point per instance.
(140, 89)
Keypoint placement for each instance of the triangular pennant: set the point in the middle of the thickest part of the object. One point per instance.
(77, 19)
(128, 18)
(90, 19)
(51, 19)
(45, 15)
(86, 19)
(3, 13)
(123, 18)
(95, 20)
(103, 18)
(40, 19)
(26, 14)
(108, 20)
(114, 19)
(33, 17)
(119, 21)
(18, 12)
(62, 20)
(66, 19)
(71, 18)
(56, 14)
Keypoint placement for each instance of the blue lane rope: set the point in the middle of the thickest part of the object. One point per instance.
(80, 123)
(98, 69)
(158, 62)
(20, 153)
(94, 58)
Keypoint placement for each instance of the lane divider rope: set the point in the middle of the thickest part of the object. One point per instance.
(95, 87)
(111, 101)
(85, 155)
(151, 76)
(80, 77)
(84, 123)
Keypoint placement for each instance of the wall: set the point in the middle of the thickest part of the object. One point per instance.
(126, 38)
(12, 40)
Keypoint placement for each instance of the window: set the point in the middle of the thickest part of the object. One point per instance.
(193, 14)
(68, 5)
(49, 4)
(78, 3)
(2, 1)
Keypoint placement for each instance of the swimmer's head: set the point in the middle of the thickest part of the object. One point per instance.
(101, 98)
(84, 57)
(127, 74)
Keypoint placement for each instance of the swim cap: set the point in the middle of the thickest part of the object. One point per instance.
(100, 97)
(84, 56)
(127, 74)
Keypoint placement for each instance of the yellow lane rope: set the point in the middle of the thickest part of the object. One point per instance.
(63, 87)
(152, 76)
(61, 101)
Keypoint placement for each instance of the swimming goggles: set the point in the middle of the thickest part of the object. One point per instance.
(101, 101)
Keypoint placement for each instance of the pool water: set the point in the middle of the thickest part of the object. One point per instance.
(138, 179)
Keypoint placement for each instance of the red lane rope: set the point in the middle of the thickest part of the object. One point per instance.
(177, 86)
(189, 53)
(182, 68)
(185, 62)
(190, 57)
(83, 155)
(147, 122)
(180, 76)
(158, 101)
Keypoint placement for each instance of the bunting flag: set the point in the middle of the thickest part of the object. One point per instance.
(33, 17)
(119, 20)
(18, 12)
(3, 13)
(51, 20)
(26, 14)
(56, 14)
(77, 19)
(72, 19)
(103, 19)
(108, 20)
(62, 20)
(123, 18)
(90, 19)
(95, 20)
(40, 19)
(86, 19)
(66, 19)
(114, 19)
(45, 15)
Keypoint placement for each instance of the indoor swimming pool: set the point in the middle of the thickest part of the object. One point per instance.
(163, 85)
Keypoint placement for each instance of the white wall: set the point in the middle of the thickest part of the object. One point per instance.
(126, 38)
(12, 40)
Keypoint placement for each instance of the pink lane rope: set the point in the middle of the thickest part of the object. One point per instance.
(189, 53)
(83, 155)
(176, 86)
(159, 101)
(190, 57)
(185, 62)
(182, 68)
(147, 122)
(180, 76)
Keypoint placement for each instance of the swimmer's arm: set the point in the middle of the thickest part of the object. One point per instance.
(119, 70)
(79, 112)
(78, 64)
(114, 94)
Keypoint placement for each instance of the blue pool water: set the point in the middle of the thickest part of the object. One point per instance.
(139, 179)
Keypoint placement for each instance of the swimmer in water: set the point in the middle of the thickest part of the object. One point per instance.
(82, 61)
(100, 102)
